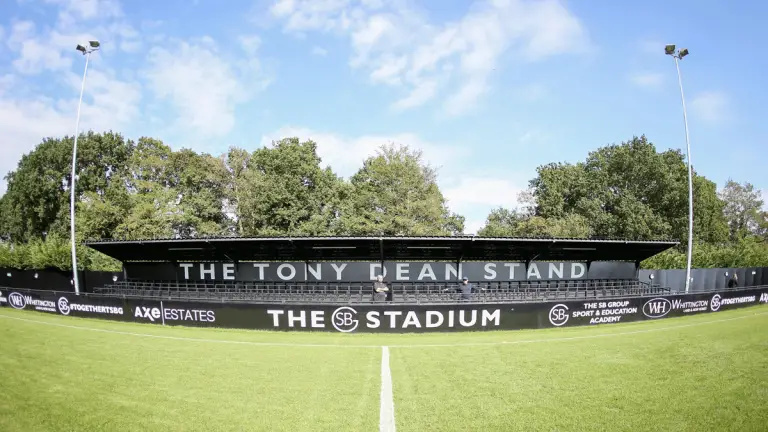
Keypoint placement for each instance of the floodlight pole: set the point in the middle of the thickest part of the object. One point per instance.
(87, 53)
(677, 58)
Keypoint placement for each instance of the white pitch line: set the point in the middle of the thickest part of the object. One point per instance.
(300, 345)
(387, 411)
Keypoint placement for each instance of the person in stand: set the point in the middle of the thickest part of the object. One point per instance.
(381, 290)
(465, 288)
(734, 282)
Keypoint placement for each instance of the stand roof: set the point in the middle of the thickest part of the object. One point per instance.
(452, 249)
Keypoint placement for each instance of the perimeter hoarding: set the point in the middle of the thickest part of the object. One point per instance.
(383, 318)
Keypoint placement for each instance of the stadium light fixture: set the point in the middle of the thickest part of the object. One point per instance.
(94, 45)
(670, 51)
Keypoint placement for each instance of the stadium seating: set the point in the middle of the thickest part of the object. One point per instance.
(361, 292)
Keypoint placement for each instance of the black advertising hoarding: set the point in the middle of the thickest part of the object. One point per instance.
(67, 304)
(382, 318)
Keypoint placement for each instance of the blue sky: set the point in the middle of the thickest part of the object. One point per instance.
(487, 89)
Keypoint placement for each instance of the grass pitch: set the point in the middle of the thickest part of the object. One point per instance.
(700, 373)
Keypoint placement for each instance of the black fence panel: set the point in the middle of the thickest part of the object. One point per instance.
(56, 280)
(706, 279)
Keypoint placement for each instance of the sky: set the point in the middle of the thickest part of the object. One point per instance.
(487, 89)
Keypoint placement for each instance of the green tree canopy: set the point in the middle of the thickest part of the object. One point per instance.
(630, 191)
(282, 189)
(145, 189)
(396, 193)
(512, 223)
(37, 198)
(743, 209)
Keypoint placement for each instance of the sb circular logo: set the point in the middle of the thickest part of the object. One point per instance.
(558, 315)
(64, 306)
(344, 319)
(715, 303)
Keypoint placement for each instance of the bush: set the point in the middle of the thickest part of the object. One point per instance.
(54, 252)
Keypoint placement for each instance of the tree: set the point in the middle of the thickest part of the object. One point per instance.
(762, 229)
(37, 200)
(629, 191)
(743, 209)
(53, 252)
(200, 183)
(6, 216)
(396, 193)
(502, 222)
(512, 223)
(747, 252)
(237, 162)
(283, 190)
(709, 223)
(151, 201)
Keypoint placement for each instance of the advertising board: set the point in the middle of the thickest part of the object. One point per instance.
(382, 318)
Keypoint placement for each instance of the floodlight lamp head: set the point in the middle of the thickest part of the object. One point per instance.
(669, 49)
(80, 48)
(682, 53)
(94, 44)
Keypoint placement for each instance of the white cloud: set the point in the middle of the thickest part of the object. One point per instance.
(712, 106)
(418, 96)
(319, 51)
(110, 101)
(36, 52)
(398, 47)
(52, 49)
(202, 84)
(466, 98)
(130, 38)
(647, 79)
(250, 44)
(73, 10)
(20, 31)
(472, 196)
(475, 197)
(88, 9)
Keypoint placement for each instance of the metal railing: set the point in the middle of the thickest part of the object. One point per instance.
(362, 292)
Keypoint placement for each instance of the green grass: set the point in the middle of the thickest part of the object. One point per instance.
(682, 374)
